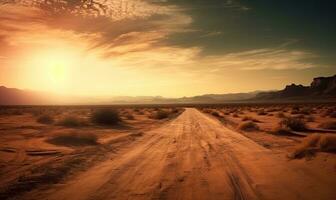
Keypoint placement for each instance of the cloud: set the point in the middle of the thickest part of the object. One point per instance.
(260, 59)
(126, 26)
(133, 36)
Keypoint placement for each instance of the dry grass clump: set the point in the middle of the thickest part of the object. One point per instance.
(299, 116)
(129, 116)
(248, 126)
(174, 110)
(314, 143)
(45, 119)
(295, 112)
(160, 114)
(310, 119)
(70, 121)
(215, 114)
(227, 113)
(262, 112)
(328, 125)
(293, 124)
(73, 139)
(105, 116)
(333, 114)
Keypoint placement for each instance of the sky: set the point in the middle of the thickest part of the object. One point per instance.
(169, 48)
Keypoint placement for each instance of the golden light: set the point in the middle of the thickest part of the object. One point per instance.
(57, 73)
(52, 69)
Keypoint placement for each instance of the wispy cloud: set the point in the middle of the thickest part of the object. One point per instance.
(132, 26)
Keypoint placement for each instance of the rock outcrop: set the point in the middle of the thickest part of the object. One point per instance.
(321, 87)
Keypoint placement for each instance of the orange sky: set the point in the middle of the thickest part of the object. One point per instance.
(125, 53)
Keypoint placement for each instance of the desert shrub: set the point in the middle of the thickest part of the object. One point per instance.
(294, 124)
(314, 143)
(295, 112)
(248, 126)
(310, 119)
(305, 111)
(282, 131)
(45, 119)
(215, 114)
(70, 121)
(141, 112)
(129, 116)
(333, 114)
(329, 111)
(300, 116)
(328, 125)
(73, 139)
(262, 112)
(174, 110)
(105, 117)
(160, 114)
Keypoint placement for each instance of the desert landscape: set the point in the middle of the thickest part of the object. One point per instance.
(167, 100)
(242, 151)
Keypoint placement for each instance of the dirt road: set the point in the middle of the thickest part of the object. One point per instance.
(195, 157)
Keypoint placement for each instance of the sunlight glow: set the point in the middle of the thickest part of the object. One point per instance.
(53, 68)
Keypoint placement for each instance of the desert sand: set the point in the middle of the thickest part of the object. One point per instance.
(192, 156)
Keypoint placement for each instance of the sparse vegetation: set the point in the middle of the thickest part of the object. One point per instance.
(45, 119)
(174, 110)
(248, 126)
(314, 143)
(262, 112)
(333, 114)
(161, 114)
(129, 116)
(281, 115)
(310, 119)
(70, 121)
(105, 117)
(215, 114)
(293, 124)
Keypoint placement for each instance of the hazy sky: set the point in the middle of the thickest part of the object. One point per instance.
(170, 48)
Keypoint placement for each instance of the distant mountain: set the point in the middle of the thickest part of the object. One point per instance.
(320, 88)
(218, 98)
(13, 96)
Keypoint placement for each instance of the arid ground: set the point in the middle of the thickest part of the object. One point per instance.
(270, 151)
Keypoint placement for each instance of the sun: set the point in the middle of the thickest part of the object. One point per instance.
(57, 72)
(53, 69)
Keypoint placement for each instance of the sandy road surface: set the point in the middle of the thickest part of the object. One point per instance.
(195, 157)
